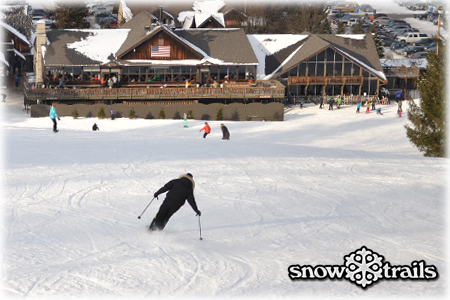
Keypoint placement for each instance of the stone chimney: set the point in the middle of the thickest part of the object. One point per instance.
(41, 40)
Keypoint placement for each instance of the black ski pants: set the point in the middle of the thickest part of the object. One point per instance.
(54, 125)
(165, 212)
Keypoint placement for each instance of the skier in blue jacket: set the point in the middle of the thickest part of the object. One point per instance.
(54, 116)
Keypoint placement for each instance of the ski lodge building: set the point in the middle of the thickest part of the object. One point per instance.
(155, 62)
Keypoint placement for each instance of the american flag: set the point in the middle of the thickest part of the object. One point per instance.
(160, 51)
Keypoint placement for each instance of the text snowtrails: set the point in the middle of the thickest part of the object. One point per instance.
(363, 268)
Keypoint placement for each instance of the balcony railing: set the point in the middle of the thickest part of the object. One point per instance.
(266, 89)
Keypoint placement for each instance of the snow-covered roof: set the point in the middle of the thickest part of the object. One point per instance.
(98, 40)
(3, 59)
(267, 44)
(396, 63)
(15, 32)
(202, 11)
(16, 52)
(274, 46)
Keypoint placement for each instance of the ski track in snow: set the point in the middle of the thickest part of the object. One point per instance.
(278, 193)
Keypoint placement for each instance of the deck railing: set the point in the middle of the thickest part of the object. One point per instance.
(271, 89)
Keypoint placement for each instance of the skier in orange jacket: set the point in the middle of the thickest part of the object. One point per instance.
(207, 129)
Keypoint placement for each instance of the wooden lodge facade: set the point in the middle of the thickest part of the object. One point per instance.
(147, 61)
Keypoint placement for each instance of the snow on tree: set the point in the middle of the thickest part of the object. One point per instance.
(71, 15)
(428, 125)
(17, 18)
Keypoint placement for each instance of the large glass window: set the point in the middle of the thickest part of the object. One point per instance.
(302, 69)
(293, 72)
(312, 69)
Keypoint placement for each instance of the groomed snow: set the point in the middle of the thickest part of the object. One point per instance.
(307, 191)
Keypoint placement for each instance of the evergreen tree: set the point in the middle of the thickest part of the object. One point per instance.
(325, 27)
(378, 41)
(101, 114)
(357, 29)
(16, 18)
(428, 125)
(340, 28)
(71, 15)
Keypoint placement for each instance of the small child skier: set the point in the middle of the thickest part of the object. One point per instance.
(379, 111)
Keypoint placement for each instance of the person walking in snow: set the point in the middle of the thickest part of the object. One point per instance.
(179, 190)
(368, 106)
(399, 109)
(331, 103)
(339, 100)
(374, 101)
(321, 102)
(112, 113)
(398, 96)
(225, 132)
(53, 116)
(207, 129)
(358, 106)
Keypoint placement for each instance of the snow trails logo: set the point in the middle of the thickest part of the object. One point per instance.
(363, 268)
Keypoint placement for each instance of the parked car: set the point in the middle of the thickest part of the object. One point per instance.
(391, 23)
(422, 54)
(423, 16)
(102, 15)
(397, 27)
(333, 13)
(387, 41)
(432, 45)
(407, 51)
(396, 46)
(423, 42)
(366, 7)
(411, 37)
(99, 9)
(402, 31)
(112, 21)
(37, 14)
(419, 6)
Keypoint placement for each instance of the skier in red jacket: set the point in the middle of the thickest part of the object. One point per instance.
(207, 129)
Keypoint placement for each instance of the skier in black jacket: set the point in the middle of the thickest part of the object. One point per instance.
(225, 132)
(180, 190)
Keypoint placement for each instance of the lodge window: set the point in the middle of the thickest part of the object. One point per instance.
(189, 73)
(161, 74)
(302, 69)
(213, 70)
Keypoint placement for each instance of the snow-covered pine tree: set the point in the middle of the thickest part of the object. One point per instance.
(71, 15)
(427, 130)
(19, 20)
(378, 41)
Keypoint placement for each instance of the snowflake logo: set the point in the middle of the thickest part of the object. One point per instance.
(364, 267)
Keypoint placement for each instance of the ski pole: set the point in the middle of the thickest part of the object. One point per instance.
(146, 208)
(200, 227)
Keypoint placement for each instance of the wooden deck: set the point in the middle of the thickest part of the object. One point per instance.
(265, 89)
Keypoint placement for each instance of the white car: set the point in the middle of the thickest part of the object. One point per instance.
(412, 37)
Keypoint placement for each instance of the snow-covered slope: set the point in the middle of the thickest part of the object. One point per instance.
(305, 191)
